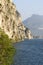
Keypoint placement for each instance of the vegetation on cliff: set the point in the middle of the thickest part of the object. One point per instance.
(6, 49)
(11, 25)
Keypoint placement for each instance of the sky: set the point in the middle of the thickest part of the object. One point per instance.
(28, 7)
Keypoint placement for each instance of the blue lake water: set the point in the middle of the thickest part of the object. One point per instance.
(29, 52)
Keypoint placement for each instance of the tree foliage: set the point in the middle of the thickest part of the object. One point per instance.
(6, 49)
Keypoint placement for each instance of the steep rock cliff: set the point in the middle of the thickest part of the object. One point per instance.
(11, 22)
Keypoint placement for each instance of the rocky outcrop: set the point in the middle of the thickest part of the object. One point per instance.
(11, 22)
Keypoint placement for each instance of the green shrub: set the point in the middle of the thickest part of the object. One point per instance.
(8, 1)
(6, 49)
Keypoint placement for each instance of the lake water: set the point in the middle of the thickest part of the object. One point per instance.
(29, 52)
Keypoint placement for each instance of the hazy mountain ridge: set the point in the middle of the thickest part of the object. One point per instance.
(35, 23)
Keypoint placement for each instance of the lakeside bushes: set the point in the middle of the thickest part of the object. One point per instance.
(6, 49)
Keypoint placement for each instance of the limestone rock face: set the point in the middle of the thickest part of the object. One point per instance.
(11, 22)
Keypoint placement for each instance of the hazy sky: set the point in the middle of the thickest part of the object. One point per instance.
(29, 7)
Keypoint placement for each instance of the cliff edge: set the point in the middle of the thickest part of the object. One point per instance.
(11, 21)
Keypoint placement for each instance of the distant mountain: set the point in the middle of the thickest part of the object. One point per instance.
(35, 24)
